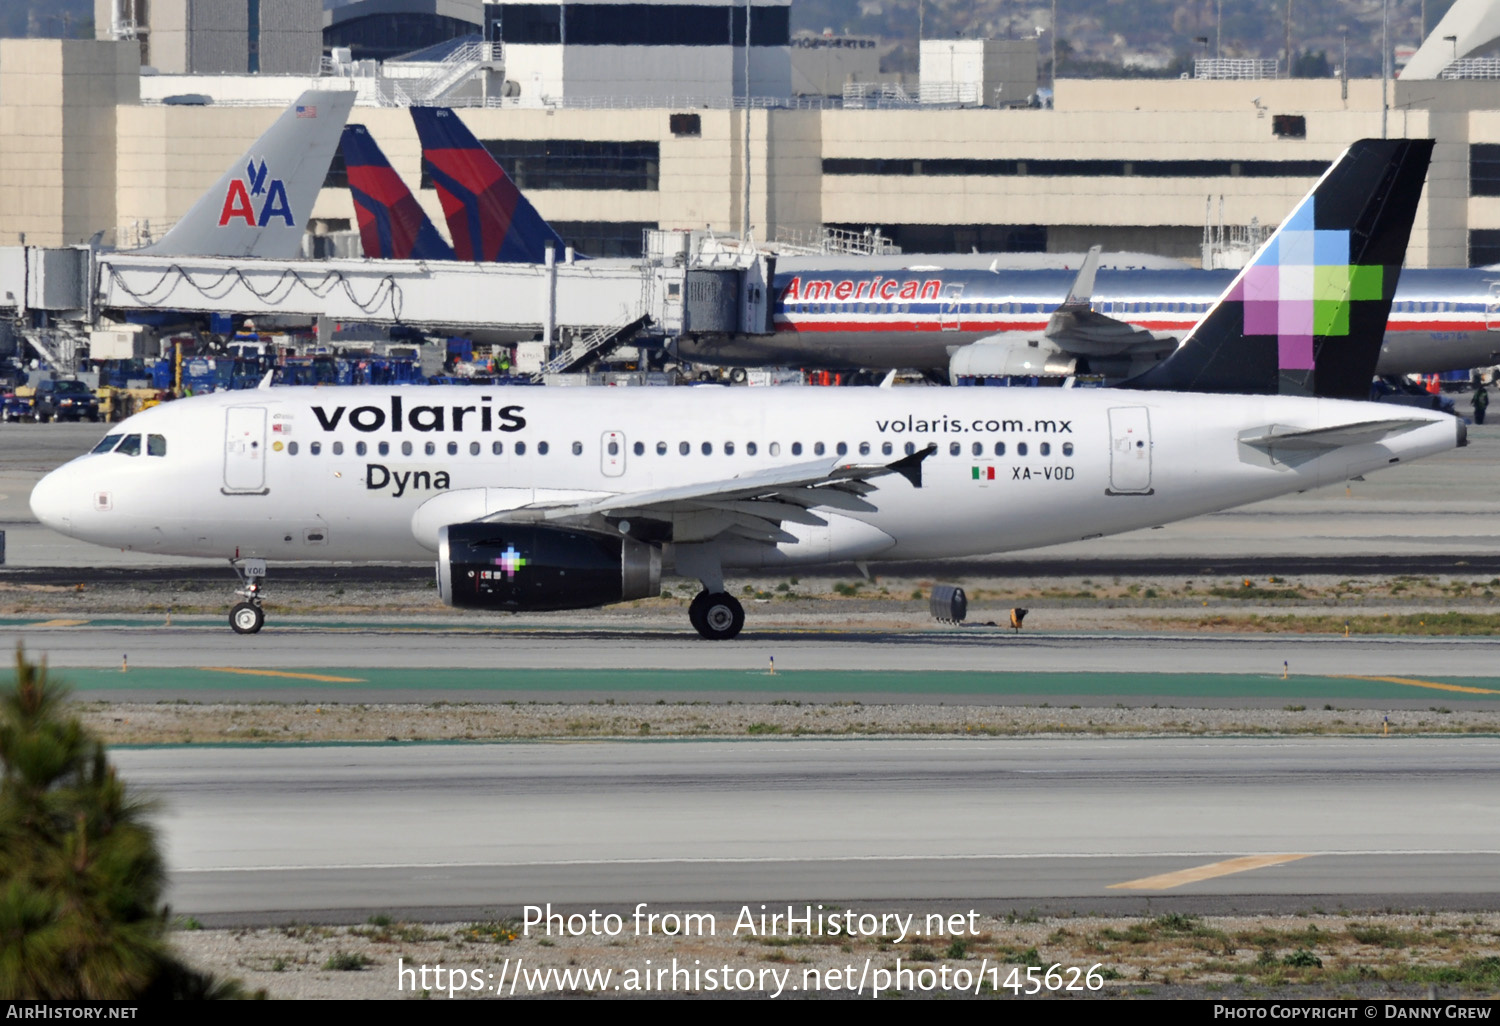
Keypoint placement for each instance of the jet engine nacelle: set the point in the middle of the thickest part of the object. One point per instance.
(538, 568)
(997, 358)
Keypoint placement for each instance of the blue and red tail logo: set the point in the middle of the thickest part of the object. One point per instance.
(392, 224)
(488, 218)
(256, 199)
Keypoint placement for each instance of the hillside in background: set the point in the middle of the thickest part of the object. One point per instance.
(1101, 36)
(1096, 37)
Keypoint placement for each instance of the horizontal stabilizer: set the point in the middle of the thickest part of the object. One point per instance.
(1324, 439)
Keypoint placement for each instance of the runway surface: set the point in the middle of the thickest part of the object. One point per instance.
(470, 829)
(351, 662)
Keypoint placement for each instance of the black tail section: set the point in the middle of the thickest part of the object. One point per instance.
(1307, 315)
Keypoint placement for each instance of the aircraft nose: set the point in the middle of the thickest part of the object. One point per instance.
(53, 499)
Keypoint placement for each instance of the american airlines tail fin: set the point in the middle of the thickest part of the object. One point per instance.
(1307, 315)
(392, 225)
(488, 218)
(261, 205)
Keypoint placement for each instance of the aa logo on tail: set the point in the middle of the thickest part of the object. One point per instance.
(241, 198)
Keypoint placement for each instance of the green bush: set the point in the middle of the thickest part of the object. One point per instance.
(81, 879)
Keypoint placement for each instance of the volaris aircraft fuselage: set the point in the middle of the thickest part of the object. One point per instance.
(374, 473)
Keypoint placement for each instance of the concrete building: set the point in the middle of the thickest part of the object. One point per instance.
(60, 101)
(185, 37)
(1134, 164)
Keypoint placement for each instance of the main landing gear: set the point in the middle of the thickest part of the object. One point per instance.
(717, 615)
(248, 617)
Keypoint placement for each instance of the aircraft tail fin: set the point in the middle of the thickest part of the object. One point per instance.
(1307, 315)
(260, 207)
(392, 224)
(488, 218)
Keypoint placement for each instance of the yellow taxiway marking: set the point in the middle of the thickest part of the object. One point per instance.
(59, 623)
(1208, 872)
(284, 673)
(1435, 685)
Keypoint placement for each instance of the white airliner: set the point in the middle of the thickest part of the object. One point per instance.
(537, 499)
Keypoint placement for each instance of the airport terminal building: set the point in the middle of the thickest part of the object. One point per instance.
(610, 132)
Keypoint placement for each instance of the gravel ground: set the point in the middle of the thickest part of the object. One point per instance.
(1451, 955)
(167, 723)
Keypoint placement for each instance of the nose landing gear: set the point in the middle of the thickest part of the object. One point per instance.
(248, 617)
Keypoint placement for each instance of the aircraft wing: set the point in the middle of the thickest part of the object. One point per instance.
(752, 506)
(1077, 329)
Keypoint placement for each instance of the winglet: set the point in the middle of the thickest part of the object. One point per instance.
(1083, 284)
(910, 467)
(260, 207)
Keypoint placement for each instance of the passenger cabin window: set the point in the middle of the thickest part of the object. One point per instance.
(498, 448)
(291, 448)
(1046, 448)
(684, 448)
(1020, 448)
(107, 443)
(360, 448)
(614, 448)
(954, 449)
(640, 448)
(999, 448)
(751, 448)
(775, 449)
(385, 448)
(1067, 448)
(452, 448)
(885, 448)
(474, 448)
(338, 448)
(520, 449)
(864, 448)
(842, 449)
(708, 448)
(541, 448)
(728, 448)
(131, 446)
(796, 448)
(406, 449)
(661, 448)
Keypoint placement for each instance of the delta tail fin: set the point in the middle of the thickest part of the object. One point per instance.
(488, 218)
(392, 224)
(1307, 315)
(261, 205)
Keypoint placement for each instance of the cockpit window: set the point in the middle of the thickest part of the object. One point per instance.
(107, 443)
(156, 445)
(131, 446)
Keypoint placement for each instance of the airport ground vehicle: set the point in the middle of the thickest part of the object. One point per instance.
(63, 400)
